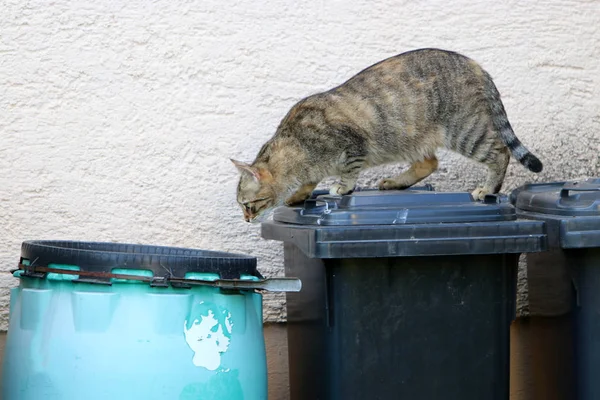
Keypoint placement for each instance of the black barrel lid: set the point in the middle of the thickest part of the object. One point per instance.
(403, 223)
(580, 198)
(164, 262)
(419, 205)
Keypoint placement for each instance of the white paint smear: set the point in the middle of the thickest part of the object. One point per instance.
(208, 343)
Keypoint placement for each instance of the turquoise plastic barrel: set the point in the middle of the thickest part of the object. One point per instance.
(99, 337)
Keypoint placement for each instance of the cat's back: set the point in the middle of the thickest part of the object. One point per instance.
(411, 90)
(415, 67)
(410, 75)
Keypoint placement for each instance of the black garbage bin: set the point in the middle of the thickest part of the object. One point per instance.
(406, 294)
(571, 211)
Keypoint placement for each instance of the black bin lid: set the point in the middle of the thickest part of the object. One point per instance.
(560, 198)
(164, 262)
(396, 207)
(413, 222)
(574, 206)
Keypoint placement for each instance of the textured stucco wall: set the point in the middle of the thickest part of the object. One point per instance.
(117, 118)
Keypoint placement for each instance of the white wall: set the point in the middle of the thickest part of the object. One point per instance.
(117, 118)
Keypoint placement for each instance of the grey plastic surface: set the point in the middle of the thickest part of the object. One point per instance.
(404, 223)
(418, 328)
(571, 212)
(571, 209)
(372, 322)
(560, 198)
(395, 207)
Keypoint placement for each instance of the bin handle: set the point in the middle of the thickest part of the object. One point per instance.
(578, 187)
(286, 284)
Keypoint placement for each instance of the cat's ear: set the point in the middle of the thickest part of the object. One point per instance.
(259, 174)
(246, 168)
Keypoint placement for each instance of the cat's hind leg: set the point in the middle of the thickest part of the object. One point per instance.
(416, 173)
(348, 176)
(301, 194)
(497, 165)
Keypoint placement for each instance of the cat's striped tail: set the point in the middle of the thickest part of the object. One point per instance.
(502, 126)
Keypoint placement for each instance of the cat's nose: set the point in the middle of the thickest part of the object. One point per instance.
(247, 219)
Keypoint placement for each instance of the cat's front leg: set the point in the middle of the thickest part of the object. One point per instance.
(301, 194)
(348, 177)
(339, 189)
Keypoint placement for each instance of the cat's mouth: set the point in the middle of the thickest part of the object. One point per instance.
(262, 217)
(257, 210)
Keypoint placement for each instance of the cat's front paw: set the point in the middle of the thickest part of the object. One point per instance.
(296, 199)
(338, 189)
(479, 193)
(390, 184)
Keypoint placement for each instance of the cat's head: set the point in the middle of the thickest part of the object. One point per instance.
(256, 194)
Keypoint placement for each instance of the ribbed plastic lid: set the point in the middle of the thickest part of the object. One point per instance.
(560, 198)
(166, 262)
(413, 206)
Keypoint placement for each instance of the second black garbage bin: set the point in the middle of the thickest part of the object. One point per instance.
(571, 211)
(406, 295)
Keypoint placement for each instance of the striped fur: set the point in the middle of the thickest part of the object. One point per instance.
(401, 109)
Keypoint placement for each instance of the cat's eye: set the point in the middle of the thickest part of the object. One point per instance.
(250, 206)
(251, 203)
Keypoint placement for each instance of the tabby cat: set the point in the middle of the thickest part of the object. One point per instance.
(401, 109)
